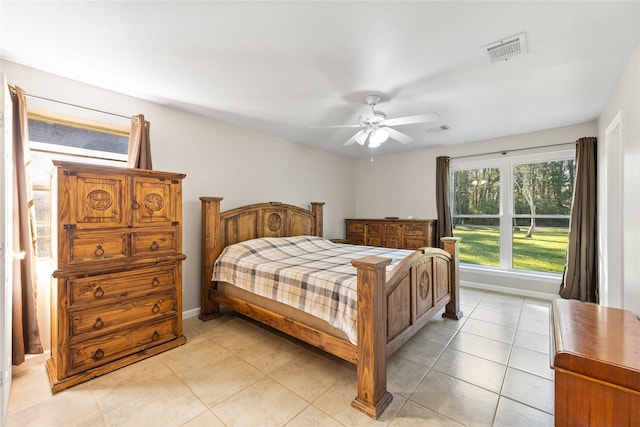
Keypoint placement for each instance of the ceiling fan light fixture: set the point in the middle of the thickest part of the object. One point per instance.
(377, 137)
(361, 137)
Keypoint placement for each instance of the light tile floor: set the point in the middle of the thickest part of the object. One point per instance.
(491, 368)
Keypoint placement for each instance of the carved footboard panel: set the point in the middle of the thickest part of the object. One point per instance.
(416, 297)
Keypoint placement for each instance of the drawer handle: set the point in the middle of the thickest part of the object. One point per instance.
(99, 354)
(135, 205)
(99, 293)
(156, 308)
(155, 246)
(99, 251)
(155, 282)
(155, 336)
(99, 323)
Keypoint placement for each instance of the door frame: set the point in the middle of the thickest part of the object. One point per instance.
(6, 246)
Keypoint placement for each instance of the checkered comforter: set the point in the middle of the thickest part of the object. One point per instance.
(309, 273)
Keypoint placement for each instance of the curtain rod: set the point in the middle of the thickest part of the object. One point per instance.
(504, 152)
(80, 106)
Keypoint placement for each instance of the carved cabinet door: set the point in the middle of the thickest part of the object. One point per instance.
(153, 201)
(93, 201)
(392, 236)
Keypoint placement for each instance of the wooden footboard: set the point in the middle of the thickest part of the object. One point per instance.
(390, 309)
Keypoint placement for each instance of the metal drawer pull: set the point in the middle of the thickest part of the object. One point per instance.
(155, 282)
(99, 251)
(155, 246)
(99, 354)
(156, 308)
(99, 323)
(155, 336)
(99, 293)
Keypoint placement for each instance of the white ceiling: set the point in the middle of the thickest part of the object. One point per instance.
(282, 67)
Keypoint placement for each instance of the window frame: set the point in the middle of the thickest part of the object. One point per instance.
(506, 163)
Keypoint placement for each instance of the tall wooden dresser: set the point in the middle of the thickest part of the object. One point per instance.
(117, 297)
(392, 233)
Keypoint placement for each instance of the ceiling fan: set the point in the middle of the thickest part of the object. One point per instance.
(376, 128)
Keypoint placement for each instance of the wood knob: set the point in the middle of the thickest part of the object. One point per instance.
(155, 336)
(99, 323)
(155, 282)
(155, 246)
(98, 354)
(99, 293)
(156, 308)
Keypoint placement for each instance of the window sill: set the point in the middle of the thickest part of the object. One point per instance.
(521, 274)
(525, 283)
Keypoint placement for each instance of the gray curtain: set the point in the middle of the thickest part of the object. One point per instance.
(139, 144)
(580, 278)
(442, 199)
(25, 330)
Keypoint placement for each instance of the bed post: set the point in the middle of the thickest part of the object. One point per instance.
(210, 242)
(316, 209)
(452, 310)
(373, 397)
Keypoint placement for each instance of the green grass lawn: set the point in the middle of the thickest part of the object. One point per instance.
(544, 251)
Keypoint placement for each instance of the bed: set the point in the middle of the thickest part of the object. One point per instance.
(395, 293)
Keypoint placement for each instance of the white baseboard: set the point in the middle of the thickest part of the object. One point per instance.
(506, 290)
(194, 312)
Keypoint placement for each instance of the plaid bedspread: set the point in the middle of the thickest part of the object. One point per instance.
(309, 273)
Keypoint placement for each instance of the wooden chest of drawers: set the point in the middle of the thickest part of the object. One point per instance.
(117, 297)
(392, 233)
(595, 353)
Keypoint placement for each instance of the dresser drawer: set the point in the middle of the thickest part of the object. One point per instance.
(109, 288)
(415, 243)
(92, 247)
(355, 227)
(355, 239)
(121, 314)
(153, 243)
(107, 348)
(415, 230)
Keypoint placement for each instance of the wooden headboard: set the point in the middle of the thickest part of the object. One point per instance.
(270, 219)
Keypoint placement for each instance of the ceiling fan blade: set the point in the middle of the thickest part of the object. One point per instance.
(409, 120)
(360, 136)
(398, 136)
(337, 126)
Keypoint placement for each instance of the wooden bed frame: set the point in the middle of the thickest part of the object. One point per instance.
(390, 309)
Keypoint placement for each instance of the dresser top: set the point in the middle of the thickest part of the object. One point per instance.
(117, 169)
(596, 341)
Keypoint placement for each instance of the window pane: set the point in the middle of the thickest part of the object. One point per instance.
(545, 250)
(42, 203)
(480, 240)
(77, 137)
(543, 188)
(476, 191)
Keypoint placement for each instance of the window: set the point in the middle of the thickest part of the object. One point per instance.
(53, 137)
(513, 213)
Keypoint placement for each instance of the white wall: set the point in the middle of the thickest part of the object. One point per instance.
(404, 185)
(625, 99)
(219, 160)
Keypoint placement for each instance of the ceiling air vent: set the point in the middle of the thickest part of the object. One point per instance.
(506, 48)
